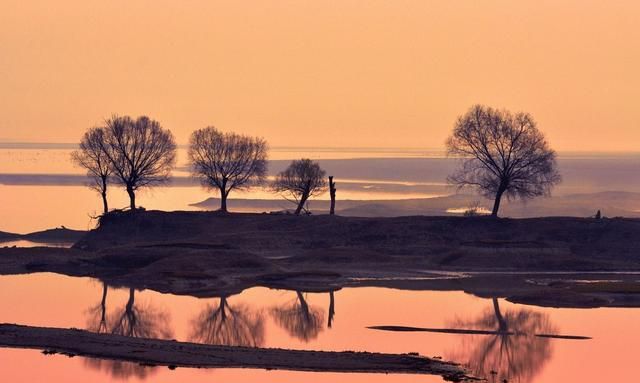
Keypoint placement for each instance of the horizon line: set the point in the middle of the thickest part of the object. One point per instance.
(69, 145)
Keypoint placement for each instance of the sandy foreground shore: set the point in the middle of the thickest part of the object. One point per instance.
(173, 354)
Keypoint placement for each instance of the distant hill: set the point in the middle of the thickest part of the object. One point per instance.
(4, 236)
(58, 235)
(610, 203)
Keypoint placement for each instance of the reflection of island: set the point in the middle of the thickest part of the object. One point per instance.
(299, 319)
(223, 324)
(515, 354)
(134, 320)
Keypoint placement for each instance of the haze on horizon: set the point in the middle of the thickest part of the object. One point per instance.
(336, 73)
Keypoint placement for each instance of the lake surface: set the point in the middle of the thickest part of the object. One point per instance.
(298, 320)
(41, 189)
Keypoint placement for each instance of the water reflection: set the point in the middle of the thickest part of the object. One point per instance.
(134, 320)
(332, 309)
(223, 324)
(97, 315)
(120, 370)
(299, 319)
(141, 320)
(514, 353)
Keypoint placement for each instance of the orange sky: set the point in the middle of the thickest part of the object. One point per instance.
(332, 73)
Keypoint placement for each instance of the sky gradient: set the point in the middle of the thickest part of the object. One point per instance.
(322, 73)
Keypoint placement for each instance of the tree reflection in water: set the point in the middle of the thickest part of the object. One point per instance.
(518, 357)
(299, 319)
(141, 321)
(223, 324)
(134, 320)
(97, 315)
(332, 309)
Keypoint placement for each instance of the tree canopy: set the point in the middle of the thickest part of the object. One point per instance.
(301, 180)
(502, 154)
(227, 161)
(141, 152)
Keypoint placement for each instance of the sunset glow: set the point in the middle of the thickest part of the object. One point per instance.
(346, 73)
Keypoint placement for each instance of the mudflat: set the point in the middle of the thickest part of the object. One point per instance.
(173, 354)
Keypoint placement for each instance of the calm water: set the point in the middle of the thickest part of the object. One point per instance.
(32, 196)
(61, 199)
(273, 318)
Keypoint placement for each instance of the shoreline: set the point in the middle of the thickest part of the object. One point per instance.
(173, 354)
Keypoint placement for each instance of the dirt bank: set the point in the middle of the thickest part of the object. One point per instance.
(154, 352)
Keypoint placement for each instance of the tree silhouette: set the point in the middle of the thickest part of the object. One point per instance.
(299, 319)
(503, 154)
(515, 353)
(95, 160)
(300, 181)
(141, 153)
(222, 324)
(131, 320)
(332, 194)
(227, 161)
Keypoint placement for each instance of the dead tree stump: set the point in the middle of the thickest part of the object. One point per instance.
(332, 193)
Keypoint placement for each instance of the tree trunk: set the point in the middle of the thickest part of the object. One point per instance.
(496, 203)
(303, 200)
(223, 203)
(332, 193)
(105, 205)
(223, 196)
(132, 197)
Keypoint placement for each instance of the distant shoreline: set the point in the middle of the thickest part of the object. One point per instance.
(414, 151)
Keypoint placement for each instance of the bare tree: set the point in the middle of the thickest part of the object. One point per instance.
(141, 152)
(227, 161)
(503, 154)
(93, 157)
(300, 181)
